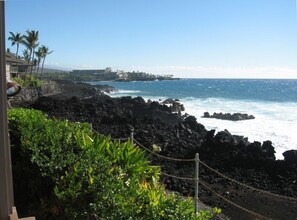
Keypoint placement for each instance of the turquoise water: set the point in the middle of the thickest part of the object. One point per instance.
(272, 102)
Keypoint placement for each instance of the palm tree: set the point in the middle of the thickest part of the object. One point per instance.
(31, 42)
(45, 51)
(39, 56)
(16, 39)
(26, 55)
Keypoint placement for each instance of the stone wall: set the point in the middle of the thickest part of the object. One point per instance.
(33, 93)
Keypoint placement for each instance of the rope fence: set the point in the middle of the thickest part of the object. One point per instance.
(113, 139)
(232, 203)
(161, 156)
(222, 175)
(178, 177)
(197, 181)
(245, 185)
(119, 139)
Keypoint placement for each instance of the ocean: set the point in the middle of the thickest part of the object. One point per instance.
(272, 101)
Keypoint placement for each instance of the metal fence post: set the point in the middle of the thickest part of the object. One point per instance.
(196, 182)
(132, 137)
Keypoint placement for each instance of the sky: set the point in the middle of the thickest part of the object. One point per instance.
(186, 38)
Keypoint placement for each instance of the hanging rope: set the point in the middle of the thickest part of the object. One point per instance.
(119, 139)
(161, 156)
(232, 203)
(113, 139)
(177, 177)
(247, 186)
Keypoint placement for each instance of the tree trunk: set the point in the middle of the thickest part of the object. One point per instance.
(42, 65)
(37, 68)
(32, 60)
(16, 54)
(29, 61)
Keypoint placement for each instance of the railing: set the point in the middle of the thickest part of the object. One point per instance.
(195, 179)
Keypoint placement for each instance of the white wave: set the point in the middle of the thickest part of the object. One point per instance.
(154, 98)
(122, 92)
(135, 93)
(128, 91)
(276, 122)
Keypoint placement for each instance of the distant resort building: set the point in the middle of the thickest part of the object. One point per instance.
(15, 67)
(97, 74)
(93, 71)
(120, 75)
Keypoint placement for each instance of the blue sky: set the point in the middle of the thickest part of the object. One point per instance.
(187, 38)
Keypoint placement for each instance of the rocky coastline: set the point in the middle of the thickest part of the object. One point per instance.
(181, 136)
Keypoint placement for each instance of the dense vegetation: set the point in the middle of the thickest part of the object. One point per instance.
(62, 170)
(26, 82)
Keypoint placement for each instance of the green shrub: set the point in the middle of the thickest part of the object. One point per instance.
(52, 143)
(62, 170)
(27, 82)
(42, 151)
(19, 81)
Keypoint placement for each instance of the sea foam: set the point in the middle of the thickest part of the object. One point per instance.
(274, 121)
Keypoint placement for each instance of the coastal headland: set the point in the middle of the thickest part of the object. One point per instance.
(182, 136)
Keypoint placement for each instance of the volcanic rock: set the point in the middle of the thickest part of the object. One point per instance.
(290, 156)
(175, 105)
(228, 116)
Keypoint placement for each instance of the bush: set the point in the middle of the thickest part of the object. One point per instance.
(27, 82)
(62, 170)
(19, 81)
(42, 151)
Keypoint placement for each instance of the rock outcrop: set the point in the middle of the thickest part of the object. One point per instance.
(228, 116)
(174, 105)
(291, 157)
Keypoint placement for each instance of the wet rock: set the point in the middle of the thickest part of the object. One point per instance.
(228, 116)
(290, 156)
(206, 115)
(175, 105)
